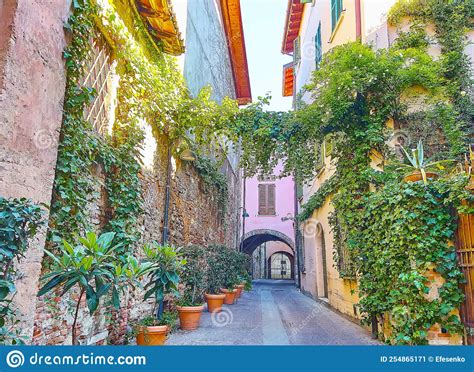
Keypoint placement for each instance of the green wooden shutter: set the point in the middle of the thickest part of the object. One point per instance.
(336, 10)
(306, 1)
(318, 46)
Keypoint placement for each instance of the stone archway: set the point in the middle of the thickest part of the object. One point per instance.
(251, 240)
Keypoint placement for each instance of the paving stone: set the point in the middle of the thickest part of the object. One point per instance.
(274, 313)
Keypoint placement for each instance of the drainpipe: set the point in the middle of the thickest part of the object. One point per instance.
(167, 199)
(296, 228)
(358, 19)
(159, 311)
(245, 207)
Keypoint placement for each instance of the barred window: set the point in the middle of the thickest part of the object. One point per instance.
(98, 71)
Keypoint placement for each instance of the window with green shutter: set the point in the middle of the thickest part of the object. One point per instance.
(336, 11)
(296, 50)
(319, 156)
(318, 46)
(306, 1)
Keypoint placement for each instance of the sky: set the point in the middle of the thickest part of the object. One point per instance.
(263, 22)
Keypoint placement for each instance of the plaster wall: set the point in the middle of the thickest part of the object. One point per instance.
(32, 83)
(284, 205)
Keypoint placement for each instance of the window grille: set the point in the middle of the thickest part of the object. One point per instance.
(97, 76)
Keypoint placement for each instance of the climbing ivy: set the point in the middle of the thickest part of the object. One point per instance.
(405, 230)
(213, 177)
(151, 92)
(390, 231)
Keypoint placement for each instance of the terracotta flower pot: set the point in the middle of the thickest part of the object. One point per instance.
(239, 288)
(416, 176)
(214, 302)
(229, 296)
(189, 317)
(152, 335)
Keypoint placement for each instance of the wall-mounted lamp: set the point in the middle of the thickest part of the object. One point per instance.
(288, 217)
(187, 155)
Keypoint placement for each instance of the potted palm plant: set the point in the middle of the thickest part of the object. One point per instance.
(420, 169)
(161, 271)
(92, 267)
(190, 304)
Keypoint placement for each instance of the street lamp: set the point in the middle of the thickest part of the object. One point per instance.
(244, 216)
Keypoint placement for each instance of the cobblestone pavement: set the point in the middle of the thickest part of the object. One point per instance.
(274, 313)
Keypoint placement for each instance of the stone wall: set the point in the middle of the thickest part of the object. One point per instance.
(194, 218)
(32, 83)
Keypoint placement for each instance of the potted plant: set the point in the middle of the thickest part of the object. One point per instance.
(420, 169)
(91, 267)
(161, 270)
(229, 290)
(150, 331)
(190, 303)
(215, 276)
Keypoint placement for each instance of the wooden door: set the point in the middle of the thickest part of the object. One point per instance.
(465, 251)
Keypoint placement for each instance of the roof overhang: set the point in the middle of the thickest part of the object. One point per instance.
(294, 15)
(288, 79)
(162, 25)
(232, 19)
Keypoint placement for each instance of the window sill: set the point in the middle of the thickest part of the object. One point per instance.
(266, 215)
(338, 24)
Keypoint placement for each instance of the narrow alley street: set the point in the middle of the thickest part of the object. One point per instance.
(274, 313)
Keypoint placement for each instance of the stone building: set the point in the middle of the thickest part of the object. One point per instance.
(312, 29)
(33, 80)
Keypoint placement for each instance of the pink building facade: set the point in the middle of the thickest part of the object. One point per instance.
(268, 230)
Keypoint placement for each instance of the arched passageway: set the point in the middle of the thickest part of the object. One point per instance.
(251, 240)
(272, 254)
(281, 265)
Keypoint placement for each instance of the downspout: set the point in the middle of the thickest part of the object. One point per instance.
(358, 19)
(296, 228)
(243, 212)
(167, 199)
(159, 311)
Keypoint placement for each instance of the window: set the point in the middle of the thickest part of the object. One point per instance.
(266, 199)
(266, 178)
(336, 10)
(318, 47)
(97, 76)
(296, 50)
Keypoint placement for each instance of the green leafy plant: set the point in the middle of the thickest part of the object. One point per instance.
(193, 276)
(93, 268)
(19, 222)
(161, 270)
(418, 163)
